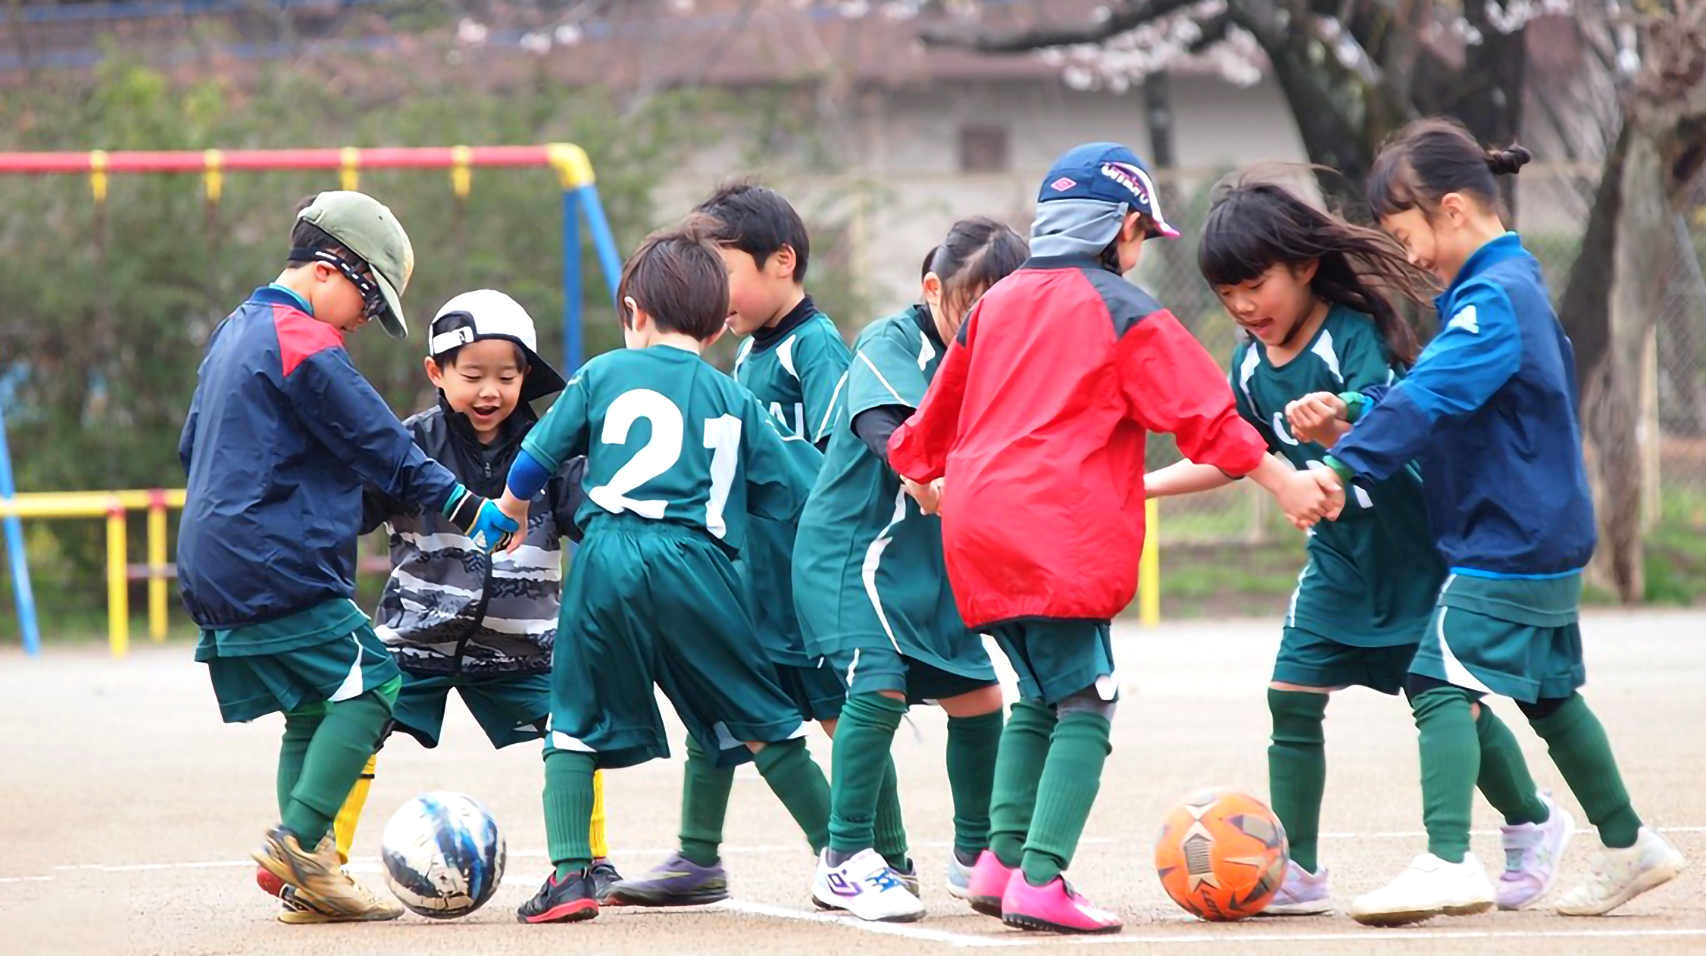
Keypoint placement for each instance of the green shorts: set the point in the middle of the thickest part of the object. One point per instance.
(1513, 637)
(816, 691)
(1314, 661)
(511, 708)
(334, 668)
(652, 605)
(1056, 659)
(869, 670)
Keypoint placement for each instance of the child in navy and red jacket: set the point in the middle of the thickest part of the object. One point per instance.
(282, 434)
(1037, 420)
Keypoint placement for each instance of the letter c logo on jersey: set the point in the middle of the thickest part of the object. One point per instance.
(1280, 429)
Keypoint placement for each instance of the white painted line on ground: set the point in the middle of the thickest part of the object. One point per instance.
(26, 879)
(904, 930)
(1352, 936)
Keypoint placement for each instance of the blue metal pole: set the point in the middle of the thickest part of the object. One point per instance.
(609, 257)
(26, 599)
(572, 306)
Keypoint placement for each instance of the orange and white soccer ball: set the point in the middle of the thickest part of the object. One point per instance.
(1222, 855)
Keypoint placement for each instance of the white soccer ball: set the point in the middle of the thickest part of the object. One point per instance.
(444, 855)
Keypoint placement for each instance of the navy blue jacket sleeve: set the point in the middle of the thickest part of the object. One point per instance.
(1476, 353)
(186, 441)
(339, 408)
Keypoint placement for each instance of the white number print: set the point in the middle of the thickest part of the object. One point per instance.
(660, 453)
(722, 436)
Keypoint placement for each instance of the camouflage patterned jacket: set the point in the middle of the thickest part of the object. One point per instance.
(447, 607)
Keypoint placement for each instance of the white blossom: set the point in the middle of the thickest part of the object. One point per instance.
(536, 42)
(471, 32)
(566, 35)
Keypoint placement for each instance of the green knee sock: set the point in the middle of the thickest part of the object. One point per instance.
(333, 762)
(864, 736)
(799, 783)
(1297, 769)
(1018, 770)
(1504, 779)
(973, 743)
(890, 836)
(1451, 760)
(568, 810)
(1071, 777)
(1582, 753)
(299, 730)
(704, 805)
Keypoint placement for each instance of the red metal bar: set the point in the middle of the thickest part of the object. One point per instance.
(195, 161)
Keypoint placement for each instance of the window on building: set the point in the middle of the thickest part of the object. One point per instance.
(983, 149)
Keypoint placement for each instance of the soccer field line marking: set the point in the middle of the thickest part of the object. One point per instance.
(1352, 936)
(903, 930)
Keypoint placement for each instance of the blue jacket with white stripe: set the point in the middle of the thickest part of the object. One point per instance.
(1490, 411)
(282, 435)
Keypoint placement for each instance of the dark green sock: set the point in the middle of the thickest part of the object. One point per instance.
(1071, 777)
(299, 730)
(864, 735)
(799, 783)
(890, 836)
(1579, 747)
(1451, 760)
(1018, 770)
(704, 805)
(333, 762)
(973, 743)
(568, 810)
(1504, 779)
(1297, 769)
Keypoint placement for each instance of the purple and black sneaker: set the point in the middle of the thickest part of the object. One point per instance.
(676, 881)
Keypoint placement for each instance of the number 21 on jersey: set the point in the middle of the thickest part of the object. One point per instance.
(721, 435)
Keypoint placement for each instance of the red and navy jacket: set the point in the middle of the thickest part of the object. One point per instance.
(1037, 418)
(282, 434)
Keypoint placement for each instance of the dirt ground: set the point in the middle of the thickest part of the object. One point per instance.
(127, 808)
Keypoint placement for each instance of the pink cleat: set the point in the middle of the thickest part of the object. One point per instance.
(1055, 908)
(988, 884)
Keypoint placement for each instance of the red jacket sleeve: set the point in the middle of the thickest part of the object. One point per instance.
(1173, 385)
(918, 449)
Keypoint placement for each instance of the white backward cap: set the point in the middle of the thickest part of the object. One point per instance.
(490, 314)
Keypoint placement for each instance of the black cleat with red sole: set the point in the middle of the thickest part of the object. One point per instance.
(568, 900)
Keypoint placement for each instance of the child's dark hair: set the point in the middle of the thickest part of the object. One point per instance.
(679, 280)
(1254, 225)
(1432, 157)
(978, 253)
(307, 238)
(757, 221)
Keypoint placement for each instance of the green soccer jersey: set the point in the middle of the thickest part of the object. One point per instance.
(868, 565)
(669, 438)
(796, 374)
(1373, 574)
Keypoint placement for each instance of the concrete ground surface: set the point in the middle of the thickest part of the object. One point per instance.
(127, 810)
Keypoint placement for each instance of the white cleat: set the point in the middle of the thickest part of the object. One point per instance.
(1621, 875)
(867, 887)
(959, 877)
(1429, 887)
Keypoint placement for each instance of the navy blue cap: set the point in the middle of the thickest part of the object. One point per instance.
(1106, 172)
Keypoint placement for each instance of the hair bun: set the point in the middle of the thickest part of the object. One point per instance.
(1506, 162)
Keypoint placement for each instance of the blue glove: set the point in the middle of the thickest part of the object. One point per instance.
(480, 519)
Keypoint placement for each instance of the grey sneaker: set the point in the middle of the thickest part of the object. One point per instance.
(676, 881)
(959, 876)
(1532, 854)
(1302, 894)
(604, 877)
(1621, 875)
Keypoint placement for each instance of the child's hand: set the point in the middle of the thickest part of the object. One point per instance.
(1308, 496)
(929, 497)
(482, 520)
(1318, 418)
(515, 510)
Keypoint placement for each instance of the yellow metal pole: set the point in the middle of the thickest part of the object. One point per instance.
(157, 566)
(1149, 568)
(118, 593)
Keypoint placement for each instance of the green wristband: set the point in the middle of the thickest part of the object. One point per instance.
(1355, 404)
(1339, 468)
